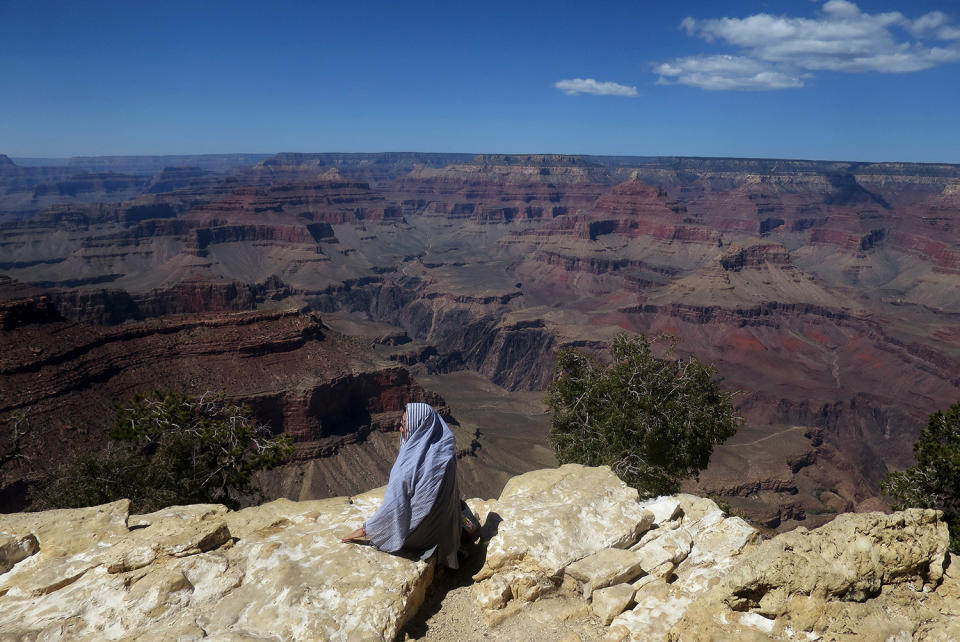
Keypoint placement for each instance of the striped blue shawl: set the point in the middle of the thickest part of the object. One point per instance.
(415, 479)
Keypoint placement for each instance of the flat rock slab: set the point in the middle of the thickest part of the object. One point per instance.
(700, 550)
(182, 573)
(606, 567)
(658, 607)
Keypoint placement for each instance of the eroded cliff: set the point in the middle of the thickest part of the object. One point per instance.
(824, 291)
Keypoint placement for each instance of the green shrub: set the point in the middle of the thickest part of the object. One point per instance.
(654, 422)
(166, 449)
(934, 481)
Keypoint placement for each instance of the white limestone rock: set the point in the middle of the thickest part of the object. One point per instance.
(279, 571)
(70, 531)
(665, 508)
(850, 558)
(301, 583)
(493, 592)
(717, 546)
(14, 549)
(694, 507)
(180, 573)
(658, 607)
(673, 546)
(721, 539)
(606, 567)
(486, 512)
(551, 518)
(862, 576)
(700, 552)
(369, 501)
(280, 513)
(610, 602)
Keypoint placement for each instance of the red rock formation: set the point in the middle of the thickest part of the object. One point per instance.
(501, 189)
(324, 389)
(755, 256)
(825, 291)
(328, 199)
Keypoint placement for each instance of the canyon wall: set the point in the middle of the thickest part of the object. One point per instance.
(824, 292)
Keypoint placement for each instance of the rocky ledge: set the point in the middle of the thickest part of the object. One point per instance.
(671, 568)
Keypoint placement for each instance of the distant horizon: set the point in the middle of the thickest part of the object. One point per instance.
(15, 158)
(873, 80)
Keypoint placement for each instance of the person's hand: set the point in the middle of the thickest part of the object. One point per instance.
(355, 535)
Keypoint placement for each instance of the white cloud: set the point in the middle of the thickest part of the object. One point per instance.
(777, 52)
(725, 72)
(949, 33)
(928, 23)
(576, 86)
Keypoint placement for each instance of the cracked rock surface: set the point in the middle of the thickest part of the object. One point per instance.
(277, 571)
(566, 554)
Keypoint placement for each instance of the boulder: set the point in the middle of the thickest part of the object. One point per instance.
(694, 507)
(866, 576)
(494, 593)
(719, 540)
(851, 558)
(673, 547)
(279, 571)
(552, 518)
(659, 606)
(300, 582)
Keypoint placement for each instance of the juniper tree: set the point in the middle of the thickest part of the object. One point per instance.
(169, 448)
(934, 481)
(654, 421)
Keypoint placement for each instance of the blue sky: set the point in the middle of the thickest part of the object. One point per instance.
(792, 79)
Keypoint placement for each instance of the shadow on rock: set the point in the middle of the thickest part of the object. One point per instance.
(447, 580)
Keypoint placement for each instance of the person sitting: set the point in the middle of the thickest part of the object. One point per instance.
(421, 507)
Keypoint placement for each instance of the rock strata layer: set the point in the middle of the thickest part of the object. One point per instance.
(810, 285)
(672, 568)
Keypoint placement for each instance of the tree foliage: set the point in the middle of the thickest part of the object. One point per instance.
(166, 449)
(934, 481)
(654, 422)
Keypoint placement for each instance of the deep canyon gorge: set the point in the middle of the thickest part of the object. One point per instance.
(326, 290)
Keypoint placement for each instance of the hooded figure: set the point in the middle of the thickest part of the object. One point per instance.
(421, 506)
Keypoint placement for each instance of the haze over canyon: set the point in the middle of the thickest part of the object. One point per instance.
(326, 290)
